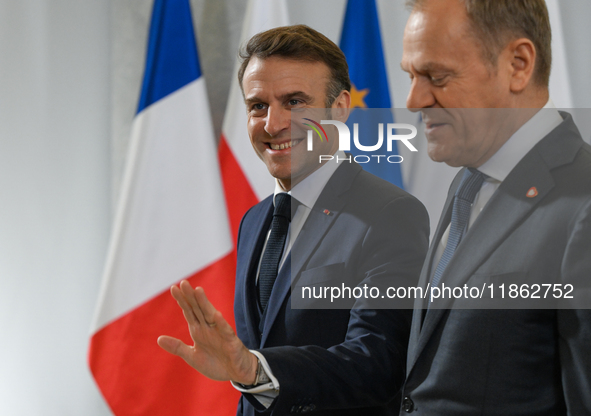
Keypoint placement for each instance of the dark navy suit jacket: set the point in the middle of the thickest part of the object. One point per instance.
(362, 230)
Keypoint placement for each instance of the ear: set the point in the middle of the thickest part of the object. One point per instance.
(522, 55)
(341, 106)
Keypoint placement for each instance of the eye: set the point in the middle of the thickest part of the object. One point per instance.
(293, 102)
(257, 108)
(438, 81)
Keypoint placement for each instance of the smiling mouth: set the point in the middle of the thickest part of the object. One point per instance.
(281, 146)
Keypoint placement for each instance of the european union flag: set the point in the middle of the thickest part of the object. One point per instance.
(362, 44)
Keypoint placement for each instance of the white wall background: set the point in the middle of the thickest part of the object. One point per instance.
(70, 72)
(54, 200)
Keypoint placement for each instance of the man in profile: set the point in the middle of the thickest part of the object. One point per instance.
(518, 214)
(349, 228)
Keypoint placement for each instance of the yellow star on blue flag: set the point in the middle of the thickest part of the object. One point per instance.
(358, 97)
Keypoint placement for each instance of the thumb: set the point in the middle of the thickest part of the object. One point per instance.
(173, 346)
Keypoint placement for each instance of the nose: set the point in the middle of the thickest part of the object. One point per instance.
(278, 120)
(420, 95)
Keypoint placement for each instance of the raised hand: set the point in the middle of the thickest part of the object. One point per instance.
(217, 352)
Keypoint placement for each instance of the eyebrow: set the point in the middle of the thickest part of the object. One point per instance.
(290, 95)
(284, 97)
(428, 67)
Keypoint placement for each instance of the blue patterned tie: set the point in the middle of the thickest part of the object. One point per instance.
(460, 215)
(274, 249)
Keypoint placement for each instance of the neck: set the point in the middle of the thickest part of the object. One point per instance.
(507, 122)
(285, 184)
(534, 97)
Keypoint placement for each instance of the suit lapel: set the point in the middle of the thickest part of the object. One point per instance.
(254, 241)
(441, 227)
(324, 213)
(276, 300)
(420, 304)
(315, 228)
(508, 206)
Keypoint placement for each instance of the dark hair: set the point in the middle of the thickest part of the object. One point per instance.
(496, 22)
(300, 43)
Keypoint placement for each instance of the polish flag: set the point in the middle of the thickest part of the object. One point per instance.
(246, 178)
(171, 223)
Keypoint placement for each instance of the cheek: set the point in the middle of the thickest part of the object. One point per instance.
(256, 133)
(300, 156)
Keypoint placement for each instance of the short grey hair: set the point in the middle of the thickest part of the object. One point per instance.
(496, 22)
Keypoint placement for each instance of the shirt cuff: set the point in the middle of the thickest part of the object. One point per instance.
(264, 393)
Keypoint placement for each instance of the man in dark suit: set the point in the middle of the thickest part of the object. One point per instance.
(521, 214)
(349, 228)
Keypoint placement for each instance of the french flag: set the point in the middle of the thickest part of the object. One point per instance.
(171, 223)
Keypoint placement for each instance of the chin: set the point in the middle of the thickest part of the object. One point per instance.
(439, 158)
(439, 154)
(279, 172)
(435, 154)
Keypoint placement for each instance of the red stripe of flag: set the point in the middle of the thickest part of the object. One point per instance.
(142, 366)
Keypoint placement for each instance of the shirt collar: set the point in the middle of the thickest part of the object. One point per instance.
(308, 190)
(521, 142)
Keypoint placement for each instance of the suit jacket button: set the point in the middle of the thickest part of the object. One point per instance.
(407, 405)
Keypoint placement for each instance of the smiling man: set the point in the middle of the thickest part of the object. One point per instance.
(274, 86)
(348, 228)
(519, 214)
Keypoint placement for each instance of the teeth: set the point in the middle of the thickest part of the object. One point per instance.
(281, 146)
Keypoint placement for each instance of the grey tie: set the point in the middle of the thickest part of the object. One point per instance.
(460, 215)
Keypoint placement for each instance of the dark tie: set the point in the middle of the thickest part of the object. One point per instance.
(460, 215)
(274, 248)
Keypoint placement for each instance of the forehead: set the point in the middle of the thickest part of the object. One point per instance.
(437, 34)
(281, 75)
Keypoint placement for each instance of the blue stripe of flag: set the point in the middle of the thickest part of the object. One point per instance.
(172, 60)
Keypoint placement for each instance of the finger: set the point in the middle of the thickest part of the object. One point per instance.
(173, 346)
(180, 298)
(224, 328)
(178, 348)
(209, 311)
(189, 294)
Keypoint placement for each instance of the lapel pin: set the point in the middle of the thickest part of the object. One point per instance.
(532, 193)
(327, 212)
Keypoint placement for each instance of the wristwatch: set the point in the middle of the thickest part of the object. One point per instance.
(261, 376)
